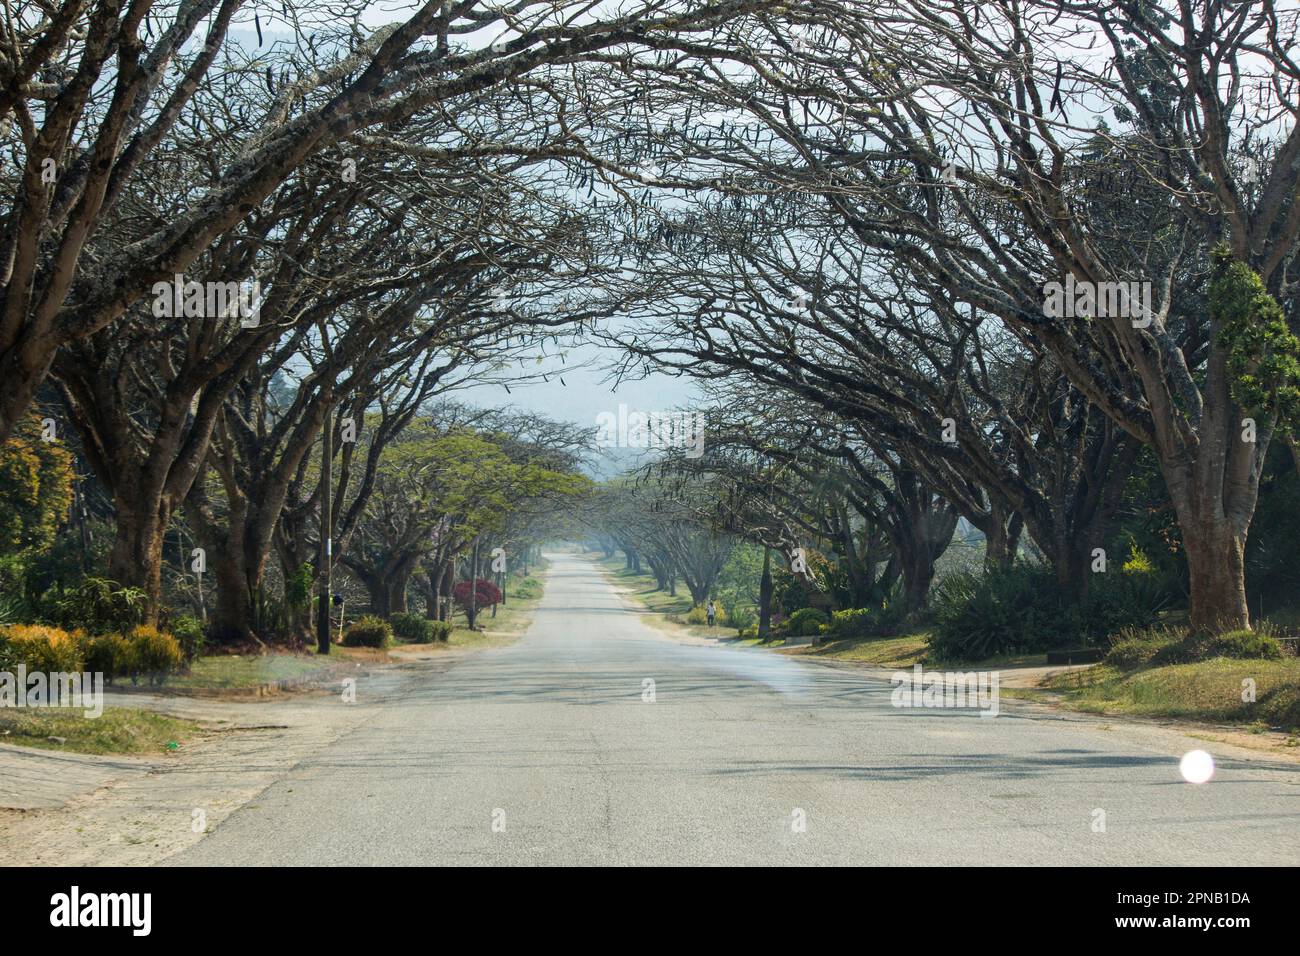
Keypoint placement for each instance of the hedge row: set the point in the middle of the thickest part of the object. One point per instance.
(143, 651)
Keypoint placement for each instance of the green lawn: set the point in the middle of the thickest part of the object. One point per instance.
(522, 597)
(118, 730)
(231, 672)
(901, 651)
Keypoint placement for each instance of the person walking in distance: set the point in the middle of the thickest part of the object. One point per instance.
(712, 613)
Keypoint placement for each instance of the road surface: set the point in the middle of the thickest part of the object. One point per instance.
(548, 751)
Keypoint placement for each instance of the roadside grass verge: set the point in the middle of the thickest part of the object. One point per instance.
(512, 618)
(118, 730)
(905, 650)
(666, 612)
(1209, 691)
(902, 651)
(242, 671)
(350, 655)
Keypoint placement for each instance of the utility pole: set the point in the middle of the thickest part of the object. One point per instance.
(326, 533)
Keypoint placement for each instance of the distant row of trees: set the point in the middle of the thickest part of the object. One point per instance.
(659, 530)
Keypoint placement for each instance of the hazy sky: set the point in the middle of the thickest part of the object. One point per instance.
(586, 391)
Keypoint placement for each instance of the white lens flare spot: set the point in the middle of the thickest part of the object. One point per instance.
(1196, 766)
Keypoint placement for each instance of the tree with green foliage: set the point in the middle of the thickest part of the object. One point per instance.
(35, 494)
(445, 487)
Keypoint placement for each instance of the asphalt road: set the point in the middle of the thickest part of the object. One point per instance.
(547, 752)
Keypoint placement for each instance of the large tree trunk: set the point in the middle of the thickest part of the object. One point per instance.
(1074, 566)
(699, 590)
(920, 541)
(918, 574)
(232, 619)
(377, 588)
(1214, 486)
(237, 548)
(1001, 538)
(22, 369)
(397, 591)
(1216, 568)
(380, 590)
(428, 585)
(136, 556)
(445, 588)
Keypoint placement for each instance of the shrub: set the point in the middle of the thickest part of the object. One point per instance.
(700, 615)
(297, 589)
(153, 653)
(40, 648)
(484, 594)
(528, 588)
(807, 621)
(97, 606)
(368, 631)
(788, 591)
(1242, 644)
(1023, 609)
(1131, 654)
(12, 609)
(890, 617)
(441, 630)
(487, 593)
(1132, 648)
(1138, 562)
(412, 627)
(850, 623)
(743, 618)
(1201, 647)
(111, 655)
(975, 615)
(188, 631)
